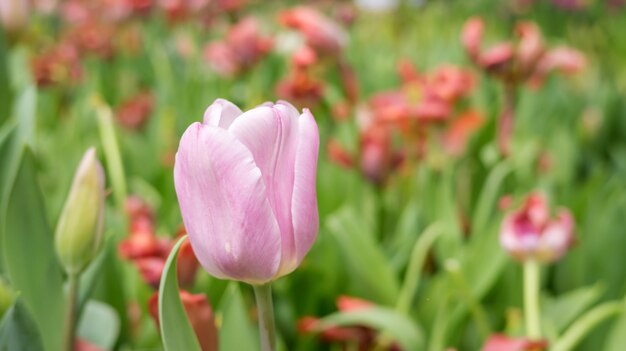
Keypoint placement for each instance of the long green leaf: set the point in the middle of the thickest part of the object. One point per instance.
(31, 264)
(366, 261)
(176, 331)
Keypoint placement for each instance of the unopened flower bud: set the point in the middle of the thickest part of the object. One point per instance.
(79, 230)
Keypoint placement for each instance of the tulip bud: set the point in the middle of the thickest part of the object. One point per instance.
(246, 188)
(79, 230)
(530, 233)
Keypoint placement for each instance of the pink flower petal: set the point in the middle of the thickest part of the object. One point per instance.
(221, 113)
(271, 133)
(225, 207)
(304, 202)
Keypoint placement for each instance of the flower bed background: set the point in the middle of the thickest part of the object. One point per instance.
(410, 103)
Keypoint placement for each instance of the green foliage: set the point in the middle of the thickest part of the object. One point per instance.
(18, 330)
(176, 331)
(25, 238)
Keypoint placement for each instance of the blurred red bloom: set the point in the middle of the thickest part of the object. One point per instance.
(472, 36)
(363, 337)
(84, 345)
(338, 155)
(58, 65)
(200, 315)
(378, 159)
(149, 252)
(499, 342)
(460, 130)
(319, 31)
(530, 233)
(243, 47)
(523, 59)
(135, 112)
(301, 87)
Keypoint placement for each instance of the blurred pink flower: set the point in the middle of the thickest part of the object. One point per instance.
(246, 188)
(243, 47)
(530, 233)
(523, 59)
(472, 36)
(14, 14)
(499, 342)
(319, 31)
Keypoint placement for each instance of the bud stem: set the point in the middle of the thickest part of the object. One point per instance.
(265, 310)
(532, 316)
(71, 312)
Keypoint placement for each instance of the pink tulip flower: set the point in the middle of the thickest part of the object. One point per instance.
(530, 233)
(246, 187)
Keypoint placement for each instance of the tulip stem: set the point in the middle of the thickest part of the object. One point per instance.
(532, 316)
(71, 312)
(265, 309)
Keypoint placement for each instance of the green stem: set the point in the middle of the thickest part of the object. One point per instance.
(585, 324)
(267, 330)
(413, 272)
(478, 313)
(71, 312)
(532, 316)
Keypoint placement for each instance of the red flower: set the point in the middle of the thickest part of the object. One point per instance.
(244, 46)
(363, 337)
(499, 342)
(149, 252)
(319, 31)
(135, 112)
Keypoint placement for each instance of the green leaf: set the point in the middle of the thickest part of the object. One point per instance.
(25, 114)
(7, 155)
(112, 153)
(563, 310)
(236, 332)
(366, 262)
(176, 331)
(99, 324)
(31, 264)
(18, 331)
(402, 329)
(616, 339)
(585, 324)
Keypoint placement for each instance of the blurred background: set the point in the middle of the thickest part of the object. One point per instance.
(435, 116)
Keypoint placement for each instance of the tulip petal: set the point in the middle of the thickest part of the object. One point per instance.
(304, 202)
(271, 133)
(221, 113)
(224, 205)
